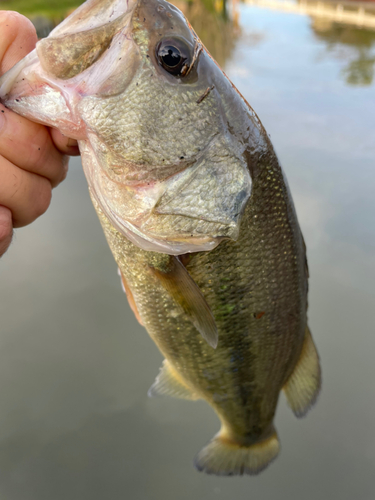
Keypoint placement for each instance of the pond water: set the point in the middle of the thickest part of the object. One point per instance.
(75, 366)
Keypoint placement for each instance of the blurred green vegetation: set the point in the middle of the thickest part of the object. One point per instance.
(53, 8)
(359, 45)
(213, 25)
(49, 8)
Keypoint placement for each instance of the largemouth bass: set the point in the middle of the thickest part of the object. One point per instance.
(196, 210)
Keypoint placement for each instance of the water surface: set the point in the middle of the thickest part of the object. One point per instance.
(75, 420)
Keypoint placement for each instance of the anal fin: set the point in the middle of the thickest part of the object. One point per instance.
(178, 282)
(303, 385)
(169, 383)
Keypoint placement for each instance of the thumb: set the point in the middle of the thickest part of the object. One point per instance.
(18, 38)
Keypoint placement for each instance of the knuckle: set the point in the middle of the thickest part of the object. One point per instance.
(65, 169)
(6, 229)
(61, 173)
(44, 159)
(41, 198)
(6, 232)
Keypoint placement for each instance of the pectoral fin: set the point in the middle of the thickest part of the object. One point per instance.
(303, 386)
(169, 383)
(178, 282)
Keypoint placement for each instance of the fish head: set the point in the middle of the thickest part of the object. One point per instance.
(165, 137)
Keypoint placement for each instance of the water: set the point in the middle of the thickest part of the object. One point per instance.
(75, 420)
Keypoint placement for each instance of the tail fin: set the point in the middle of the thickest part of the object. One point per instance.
(227, 458)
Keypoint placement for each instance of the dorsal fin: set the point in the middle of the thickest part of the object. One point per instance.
(178, 282)
(169, 383)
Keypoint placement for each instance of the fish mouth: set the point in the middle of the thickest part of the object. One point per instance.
(79, 58)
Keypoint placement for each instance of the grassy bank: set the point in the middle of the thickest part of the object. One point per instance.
(49, 8)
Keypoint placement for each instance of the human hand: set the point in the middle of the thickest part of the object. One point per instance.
(32, 157)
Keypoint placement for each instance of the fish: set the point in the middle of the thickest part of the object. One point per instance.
(196, 210)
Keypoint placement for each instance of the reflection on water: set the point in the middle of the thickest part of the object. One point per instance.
(214, 25)
(355, 45)
(347, 27)
(75, 367)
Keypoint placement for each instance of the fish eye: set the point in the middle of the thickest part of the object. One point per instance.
(174, 56)
(170, 56)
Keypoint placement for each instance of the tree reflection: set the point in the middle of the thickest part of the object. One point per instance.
(358, 47)
(360, 71)
(210, 19)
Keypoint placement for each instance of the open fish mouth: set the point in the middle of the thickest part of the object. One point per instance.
(49, 83)
(132, 83)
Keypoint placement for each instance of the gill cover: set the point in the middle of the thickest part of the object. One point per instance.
(129, 80)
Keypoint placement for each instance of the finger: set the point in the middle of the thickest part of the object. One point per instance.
(29, 146)
(27, 195)
(6, 229)
(64, 144)
(18, 38)
(26, 144)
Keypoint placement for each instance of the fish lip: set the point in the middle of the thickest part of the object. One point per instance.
(15, 94)
(8, 79)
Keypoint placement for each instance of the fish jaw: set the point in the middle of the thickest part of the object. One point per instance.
(28, 91)
(49, 83)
